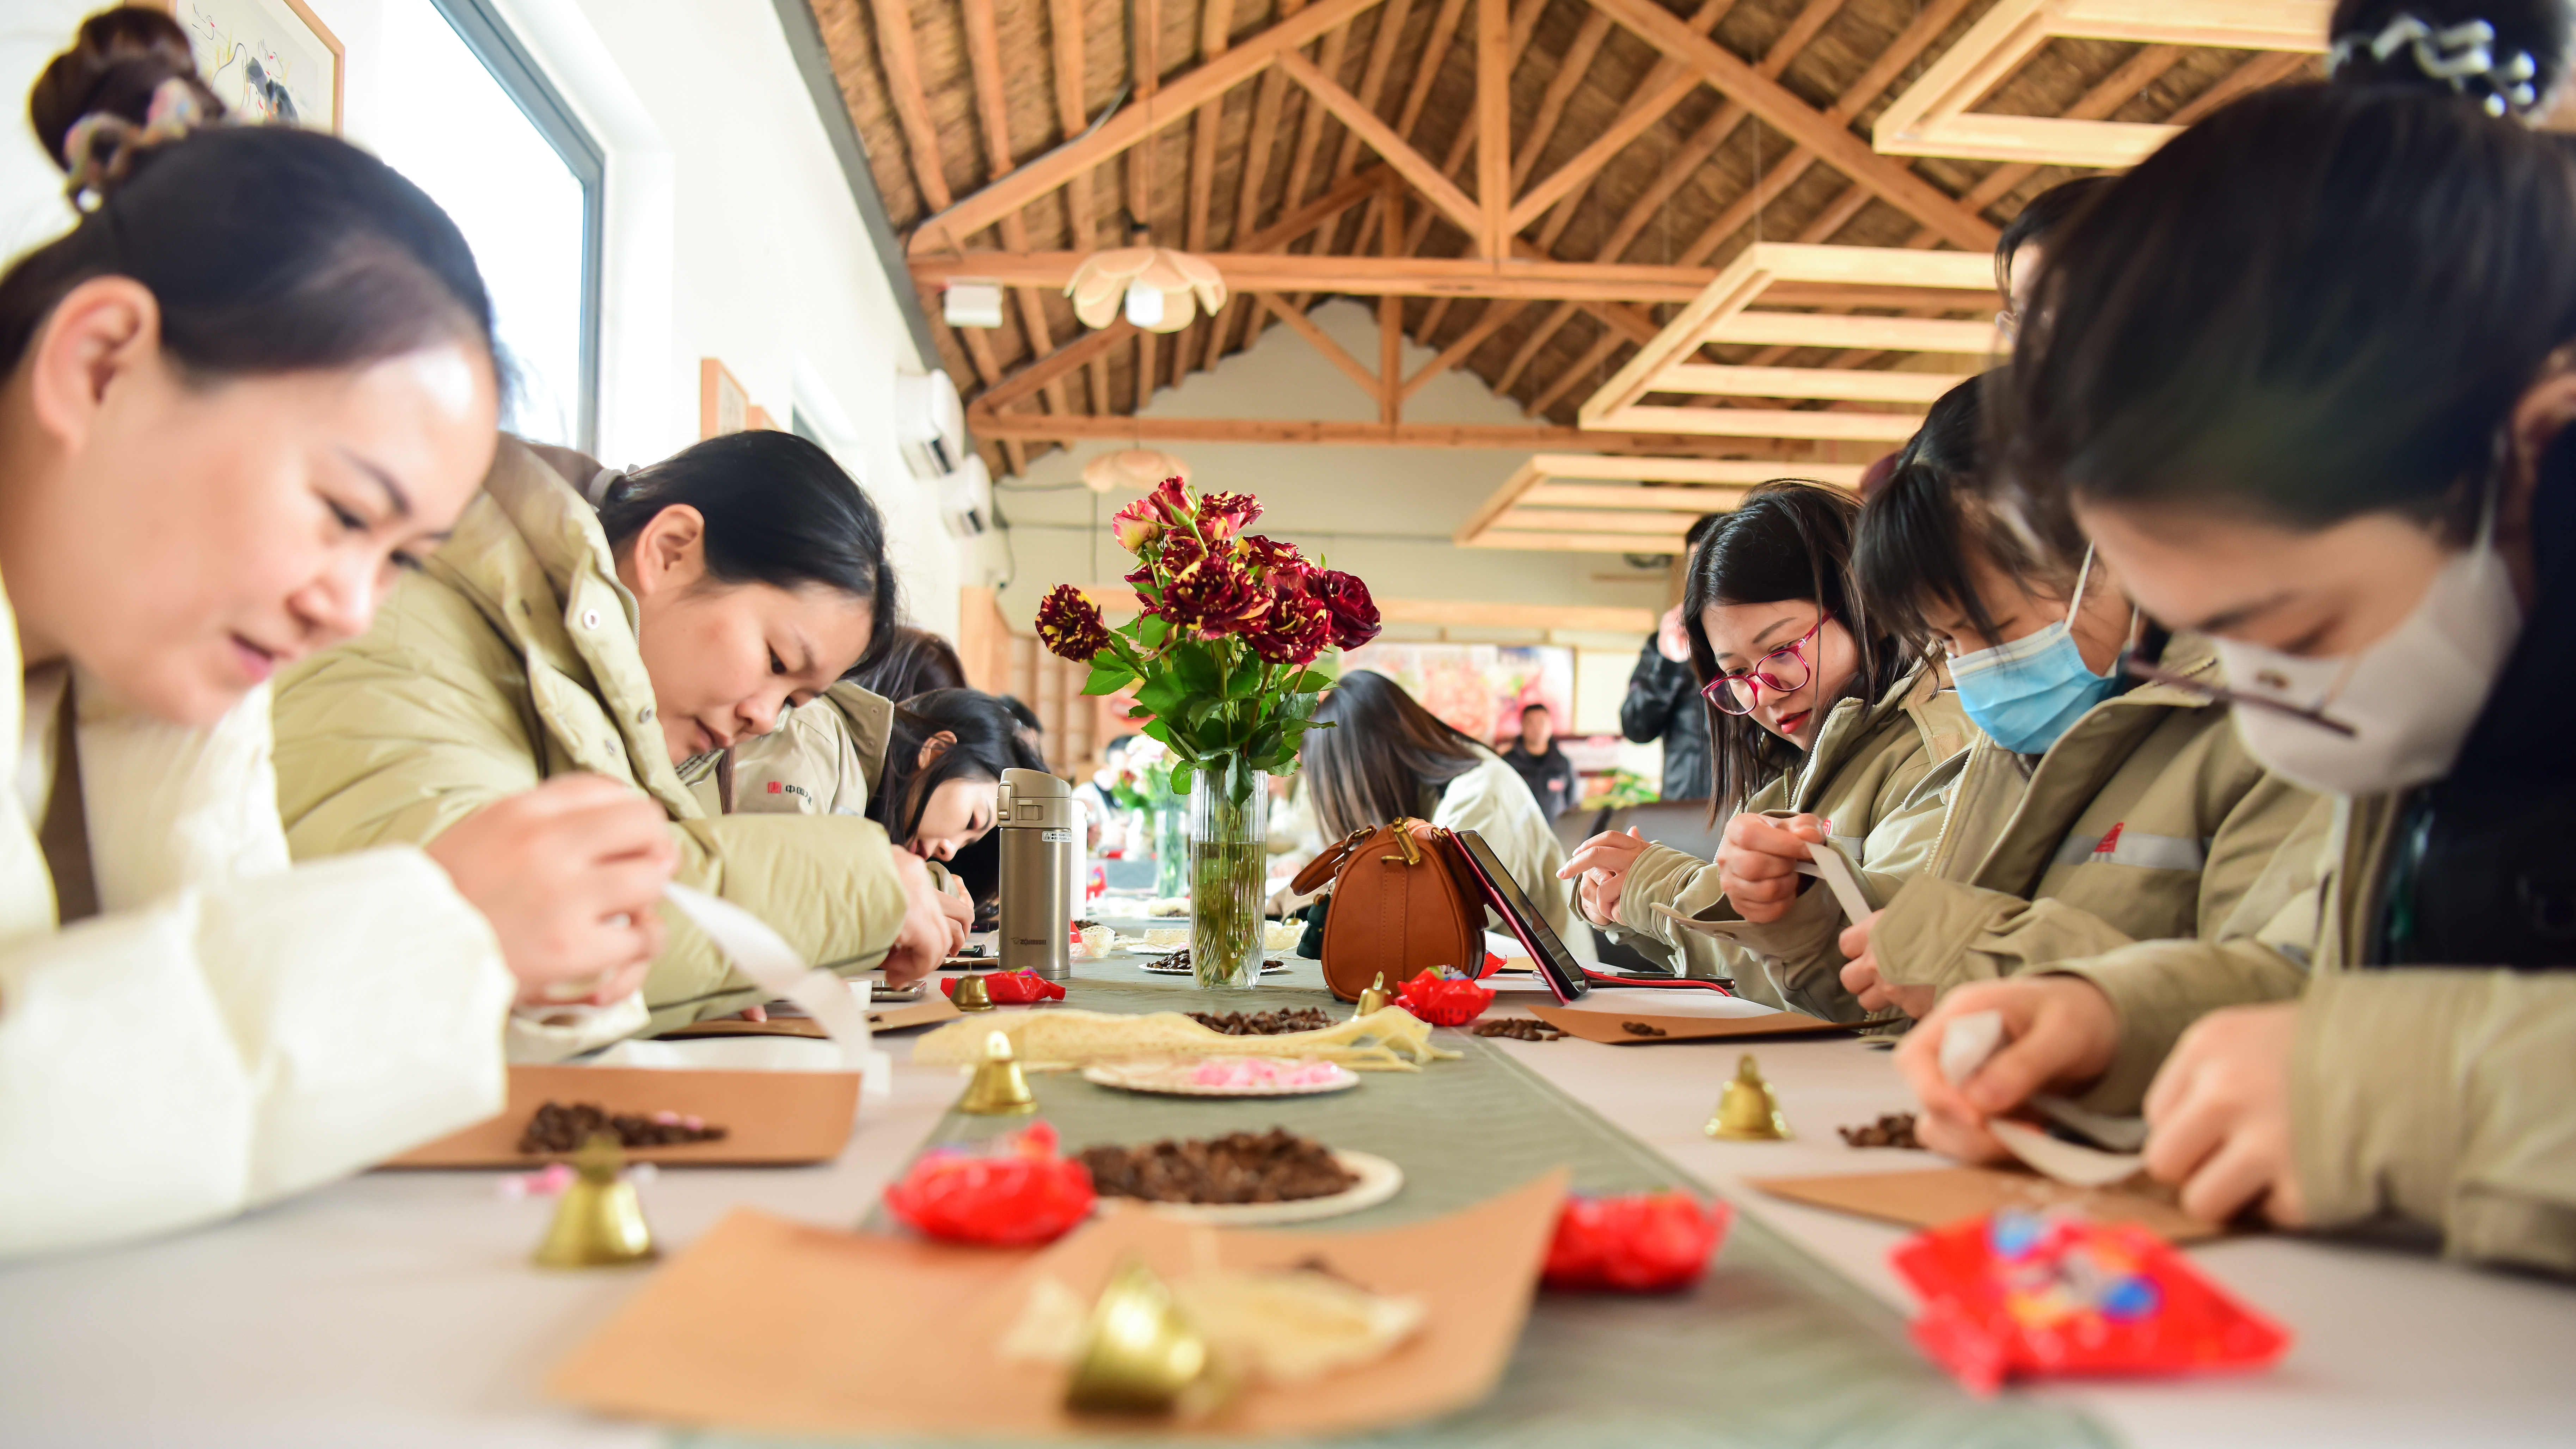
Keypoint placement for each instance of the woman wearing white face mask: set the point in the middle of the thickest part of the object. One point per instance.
(2304, 380)
(2109, 809)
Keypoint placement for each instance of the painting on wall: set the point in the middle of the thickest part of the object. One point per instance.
(271, 62)
(1479, 689)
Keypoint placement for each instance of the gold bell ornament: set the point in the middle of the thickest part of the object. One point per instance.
(1141, 1355)
(1748, 1111)
(599, 1223)
(970, 995)
(998, 1090)
(1373, 1000)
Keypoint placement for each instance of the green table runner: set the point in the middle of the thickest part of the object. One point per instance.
(1772, 1348)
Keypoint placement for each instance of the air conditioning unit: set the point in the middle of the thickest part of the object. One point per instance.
(930, 425)
(966, 498)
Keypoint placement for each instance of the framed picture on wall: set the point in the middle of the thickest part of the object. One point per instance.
(272, 62)
(723, 407)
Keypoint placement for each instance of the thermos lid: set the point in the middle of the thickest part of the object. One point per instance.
(1033, 797)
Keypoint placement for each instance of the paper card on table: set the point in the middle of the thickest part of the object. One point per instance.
(763, 955)
(777, 1327)
(1611, 1026)
(769, 1117)
(1930, 1197)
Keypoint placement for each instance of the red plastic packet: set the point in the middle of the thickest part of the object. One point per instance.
(1444, 1001)
(1011, 988)
(2020, 1294)
(1648, 1242)
(1012, 1191)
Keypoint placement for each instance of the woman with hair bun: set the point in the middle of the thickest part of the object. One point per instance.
(249, 385)
(2509, 57)
(1826, 736)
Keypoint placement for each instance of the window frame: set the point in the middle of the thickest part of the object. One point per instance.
(492, 42)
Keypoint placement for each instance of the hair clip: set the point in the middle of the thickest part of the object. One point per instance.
(2455, 56)
(101, 146)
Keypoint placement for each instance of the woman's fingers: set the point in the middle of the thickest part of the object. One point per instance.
(2233, 1176)
(1962, 1138)
(2184, 1136)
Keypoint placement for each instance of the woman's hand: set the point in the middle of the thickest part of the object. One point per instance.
(2058, 1032)
(569, 875)
(1861, 976)
(934, 923)
(1603, 862)
(1757, 865)
(2218, 1115)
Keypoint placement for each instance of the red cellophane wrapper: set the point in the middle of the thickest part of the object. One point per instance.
(1648, 1242)
(1011, 1191)
(1444, 1001)
(2020, 1294)
(1011, 988)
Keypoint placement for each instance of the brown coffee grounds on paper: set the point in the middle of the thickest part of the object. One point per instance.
(1267, 1023)
(1519, 1028)
(564, 1127)
(1896, 1129)
(1240, 1167)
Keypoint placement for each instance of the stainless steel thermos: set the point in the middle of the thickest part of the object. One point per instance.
(1041, 838)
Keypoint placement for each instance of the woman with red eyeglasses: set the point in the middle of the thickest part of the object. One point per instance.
(1824, 737)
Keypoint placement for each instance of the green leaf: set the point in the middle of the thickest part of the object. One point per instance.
(1162, 696)
(1151, 630)
(1311, 681)
(1328, 664)
(1244, 685)
(1194, 669)
(1182, 773)
(1108, 676)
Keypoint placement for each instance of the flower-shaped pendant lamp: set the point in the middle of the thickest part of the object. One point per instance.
(1156, 283)
(1132, 470)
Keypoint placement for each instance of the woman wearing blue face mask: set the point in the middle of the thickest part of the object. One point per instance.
(2143, 816)
(2305, 379)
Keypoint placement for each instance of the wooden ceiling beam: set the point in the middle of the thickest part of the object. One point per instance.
(1368, 276)
(1814, 129)
(1832, 426)
(1081, 207)
(1570, 70)
(1216, 21)
(1808, 382)
(1380, 137)
(1637, 497)
(1435, 51)
(1381, 56)
(1076, 428)
(984, 74)
(1527, 353)
(1496, 315)
(1493, 129)
(1658, 93)
(1081, 352)
(1593, 357)
(1311, 118)
(1177, 101)
(1534, 540)
(1304, 326)
(896, 53)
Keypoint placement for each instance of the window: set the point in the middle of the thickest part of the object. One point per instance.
(468, 117)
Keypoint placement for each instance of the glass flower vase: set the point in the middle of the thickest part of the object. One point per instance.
(1229, 814)
(1171, 850)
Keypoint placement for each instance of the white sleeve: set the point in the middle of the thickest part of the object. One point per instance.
(237, 1042)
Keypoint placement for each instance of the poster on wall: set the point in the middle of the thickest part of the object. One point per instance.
(272, 62)
(1479, 689)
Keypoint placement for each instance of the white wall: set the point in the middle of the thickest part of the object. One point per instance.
(730, 230)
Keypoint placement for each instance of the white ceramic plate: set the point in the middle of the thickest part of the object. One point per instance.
(1379, 1180)
(1170, 1076)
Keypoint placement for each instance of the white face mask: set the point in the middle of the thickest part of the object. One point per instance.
(2410, 698)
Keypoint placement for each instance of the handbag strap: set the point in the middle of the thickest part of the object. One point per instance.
(1328, 865)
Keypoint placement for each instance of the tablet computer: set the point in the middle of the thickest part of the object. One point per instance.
(1566, 977)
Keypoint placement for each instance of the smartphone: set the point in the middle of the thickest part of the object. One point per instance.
(1566, 978)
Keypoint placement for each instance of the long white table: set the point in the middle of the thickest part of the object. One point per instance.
(399, 1309)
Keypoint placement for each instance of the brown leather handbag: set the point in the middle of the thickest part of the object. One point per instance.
(1400, 907)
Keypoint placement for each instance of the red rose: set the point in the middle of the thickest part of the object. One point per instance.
(1276, 566)
(1213, 597)
(1355, 620)
(1071, 625)
(1171, 499)
(1295, 631)
(1223, 515)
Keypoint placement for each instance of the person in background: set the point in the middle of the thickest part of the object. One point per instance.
(948, 751)
(2110, 809)
(1541, 764)
(1828, 735)
(1386, 756)
(2023, 248)
(1663, 700)
(2373, 511)
(914, 661)
(636, 625)
(247, 387)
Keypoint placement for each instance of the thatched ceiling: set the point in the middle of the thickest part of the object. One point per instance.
(996, 84)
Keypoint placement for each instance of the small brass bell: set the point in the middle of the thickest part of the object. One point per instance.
(970, 995)
(1748, 1111)
(1373, 1000)
(998, 1090)
(1140, 1354)
(600, 1222)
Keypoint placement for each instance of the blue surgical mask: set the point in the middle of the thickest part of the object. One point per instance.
(2026, 693)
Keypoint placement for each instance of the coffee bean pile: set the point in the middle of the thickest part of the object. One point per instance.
(1267, 1023)
(1273, 1166)
(1519, 1028)
(1896, 1129)
(1177, 961)
(565, 1126)
(1639, 1028)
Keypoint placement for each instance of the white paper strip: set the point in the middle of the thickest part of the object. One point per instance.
(2068, 1162)
(1827, 864)
(1966, 1043)
(773, 965)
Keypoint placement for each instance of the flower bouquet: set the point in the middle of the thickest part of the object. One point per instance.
(1224, 652)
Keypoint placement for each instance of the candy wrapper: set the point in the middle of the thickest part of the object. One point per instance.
(1009, 1192)
(1444, 1000)
(1012, 988)
(1648, 1242)
(2019, 1294)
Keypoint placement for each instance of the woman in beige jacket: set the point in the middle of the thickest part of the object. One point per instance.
(2367, 507)
(253, 378)
(635, 626)
(1825, 737)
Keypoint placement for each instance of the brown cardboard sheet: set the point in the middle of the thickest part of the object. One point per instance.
(777, 1327)
(770, 1117)
(1929, 1197)
(1607, 1026)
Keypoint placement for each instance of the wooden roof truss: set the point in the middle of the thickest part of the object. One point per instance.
(1587, 504)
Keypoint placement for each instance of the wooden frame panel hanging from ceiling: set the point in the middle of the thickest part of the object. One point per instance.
(1581, 503)
(1862, 405)
(1933, 116)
